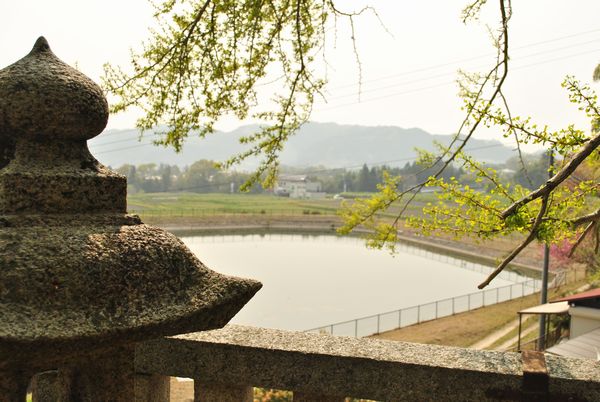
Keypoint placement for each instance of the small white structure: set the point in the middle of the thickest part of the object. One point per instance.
(545, 309)
(584, 309)
(583, 320)
(298, 186)
(584, 332)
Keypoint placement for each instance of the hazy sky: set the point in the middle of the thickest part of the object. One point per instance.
(408, 76)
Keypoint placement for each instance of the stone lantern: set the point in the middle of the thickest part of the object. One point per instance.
(81, 281)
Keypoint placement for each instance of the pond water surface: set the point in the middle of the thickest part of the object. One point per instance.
(312, 281)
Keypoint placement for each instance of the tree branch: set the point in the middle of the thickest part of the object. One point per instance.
(582, 236)
(517, 142)
(594, 216)
(520, 247)
(558, 178)
(190, 28)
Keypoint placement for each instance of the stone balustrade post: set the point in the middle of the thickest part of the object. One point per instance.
(45, 387)
(152, 388)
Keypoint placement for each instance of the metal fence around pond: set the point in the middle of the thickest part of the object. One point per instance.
(407, 316)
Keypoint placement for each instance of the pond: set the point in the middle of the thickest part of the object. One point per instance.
(311, 281)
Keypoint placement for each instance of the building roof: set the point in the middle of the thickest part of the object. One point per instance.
(548, 308)
(590, 294)
(586, 346)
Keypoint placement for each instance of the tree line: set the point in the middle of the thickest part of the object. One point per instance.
(200, 177)
(204, 177)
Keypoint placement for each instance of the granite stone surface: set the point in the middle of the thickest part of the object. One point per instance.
(361, 368)
(80, 277)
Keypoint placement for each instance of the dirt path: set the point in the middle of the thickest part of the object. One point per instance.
(494, 336)
(526, 329)
(513, 341)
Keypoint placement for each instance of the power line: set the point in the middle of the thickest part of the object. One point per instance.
(451, 82)
(420, 89)
(436, 66)
(432, 67)
(454, 72)
(117, 141)
(125, 148)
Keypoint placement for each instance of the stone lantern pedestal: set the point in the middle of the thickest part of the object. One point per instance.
(81, 281)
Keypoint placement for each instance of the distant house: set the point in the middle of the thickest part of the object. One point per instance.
(298, 186)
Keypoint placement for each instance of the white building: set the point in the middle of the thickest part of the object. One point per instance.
(584, 332)
(298, 186)
(584, 309)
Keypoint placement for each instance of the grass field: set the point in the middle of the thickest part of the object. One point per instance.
(224, 203)
(193, 204)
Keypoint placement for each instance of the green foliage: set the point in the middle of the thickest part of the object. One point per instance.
(364, 212)
(596, 74)
(549, 215)
(464, 211)
(564, 141)
(208, 59)
(557, 210)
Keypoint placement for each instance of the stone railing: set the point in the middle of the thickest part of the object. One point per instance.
(225, 364)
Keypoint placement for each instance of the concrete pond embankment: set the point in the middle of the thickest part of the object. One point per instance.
(468, 251)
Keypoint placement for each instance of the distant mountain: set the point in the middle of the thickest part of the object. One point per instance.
(324, 144)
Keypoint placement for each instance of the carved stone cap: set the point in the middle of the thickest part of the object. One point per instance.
(42, 97)
(48, 110)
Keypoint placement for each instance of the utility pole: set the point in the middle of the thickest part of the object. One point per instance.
(544, 290)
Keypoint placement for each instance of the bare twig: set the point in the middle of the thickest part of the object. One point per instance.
(497, 90)
(517, 142)
(532, 235)
(582, 236)
(594, 216)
